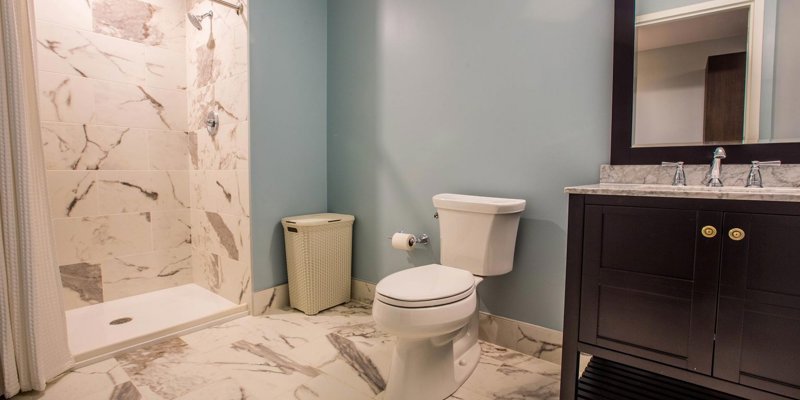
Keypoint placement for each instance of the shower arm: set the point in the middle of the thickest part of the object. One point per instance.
(237, 7)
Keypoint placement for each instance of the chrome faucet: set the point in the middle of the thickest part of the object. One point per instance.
(713, 176)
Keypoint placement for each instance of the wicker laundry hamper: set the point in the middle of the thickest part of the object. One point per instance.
(319, 250)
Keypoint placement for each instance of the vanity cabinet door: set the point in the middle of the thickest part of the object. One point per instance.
(649, 283)
(758, 327)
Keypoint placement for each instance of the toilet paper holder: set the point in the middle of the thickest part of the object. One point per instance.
(421, 239)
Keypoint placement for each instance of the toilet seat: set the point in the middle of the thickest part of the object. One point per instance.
(426, 286)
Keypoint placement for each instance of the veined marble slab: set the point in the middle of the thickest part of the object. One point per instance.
(338, 354)
(787, 175)
(698, 192)
(782, 183)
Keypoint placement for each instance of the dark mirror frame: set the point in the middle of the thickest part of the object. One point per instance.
(622, 152)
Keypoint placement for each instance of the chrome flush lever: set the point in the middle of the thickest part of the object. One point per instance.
(754, 177)
(680, 176)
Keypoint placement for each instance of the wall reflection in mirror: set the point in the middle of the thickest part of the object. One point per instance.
(716, 72)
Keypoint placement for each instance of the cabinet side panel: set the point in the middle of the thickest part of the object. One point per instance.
(572, 300)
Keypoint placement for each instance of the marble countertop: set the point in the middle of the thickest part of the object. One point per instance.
(698, 192)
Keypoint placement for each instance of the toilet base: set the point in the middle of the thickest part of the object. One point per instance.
(433, 368)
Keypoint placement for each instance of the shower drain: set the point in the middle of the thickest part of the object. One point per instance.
(120, 321)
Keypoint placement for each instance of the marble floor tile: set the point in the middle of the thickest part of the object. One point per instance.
(105, 380)
(336, 354)
(323, 387)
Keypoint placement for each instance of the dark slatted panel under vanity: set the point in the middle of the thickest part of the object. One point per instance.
(607, 380)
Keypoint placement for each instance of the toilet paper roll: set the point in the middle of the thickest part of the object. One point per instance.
(403, 241)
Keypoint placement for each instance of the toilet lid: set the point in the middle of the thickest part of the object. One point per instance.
(425, 286)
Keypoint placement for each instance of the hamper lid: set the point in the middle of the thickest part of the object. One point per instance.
(317, 219)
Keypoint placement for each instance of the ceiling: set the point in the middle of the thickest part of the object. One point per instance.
(719, 25)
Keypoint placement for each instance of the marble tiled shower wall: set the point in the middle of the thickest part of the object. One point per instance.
(123, 156)
(217, 79)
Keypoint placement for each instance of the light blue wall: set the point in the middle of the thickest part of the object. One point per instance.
(288, 124)
(500, 98)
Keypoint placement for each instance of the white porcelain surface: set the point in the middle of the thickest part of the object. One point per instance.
(428, 282)
(89, 329)
(479, 242)
(522, 337)
(424, 322)
(437, 344)
(480, 204)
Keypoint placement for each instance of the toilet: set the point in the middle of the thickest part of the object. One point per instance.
(433, 309)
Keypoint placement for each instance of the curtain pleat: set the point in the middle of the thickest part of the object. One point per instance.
(33, 335)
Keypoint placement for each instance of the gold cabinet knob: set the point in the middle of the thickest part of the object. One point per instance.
(708, 231)
(736, 234)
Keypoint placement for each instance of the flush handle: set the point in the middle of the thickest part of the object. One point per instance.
(709, 231)
(736, 234)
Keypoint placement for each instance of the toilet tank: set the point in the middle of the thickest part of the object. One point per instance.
(477, 233)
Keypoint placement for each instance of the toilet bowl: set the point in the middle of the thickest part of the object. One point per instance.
(436, 325)
(433, 309)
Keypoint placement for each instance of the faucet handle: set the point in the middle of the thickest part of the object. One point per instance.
(754, 176)
(680, 176)
(760, 163)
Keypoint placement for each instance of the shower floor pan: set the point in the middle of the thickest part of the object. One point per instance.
(103, 330)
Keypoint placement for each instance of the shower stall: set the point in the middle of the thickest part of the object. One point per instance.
(150, 204)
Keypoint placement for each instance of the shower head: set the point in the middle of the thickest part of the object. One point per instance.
(197, 19)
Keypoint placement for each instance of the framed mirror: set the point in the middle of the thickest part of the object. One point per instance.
(691, 75)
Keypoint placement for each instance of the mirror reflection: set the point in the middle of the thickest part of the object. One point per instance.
(716, 72)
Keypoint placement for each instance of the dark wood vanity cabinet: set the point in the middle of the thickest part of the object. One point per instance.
(705, 291)
(758, 317)
(649, 283)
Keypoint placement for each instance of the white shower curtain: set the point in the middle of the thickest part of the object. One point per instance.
(33, 333)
